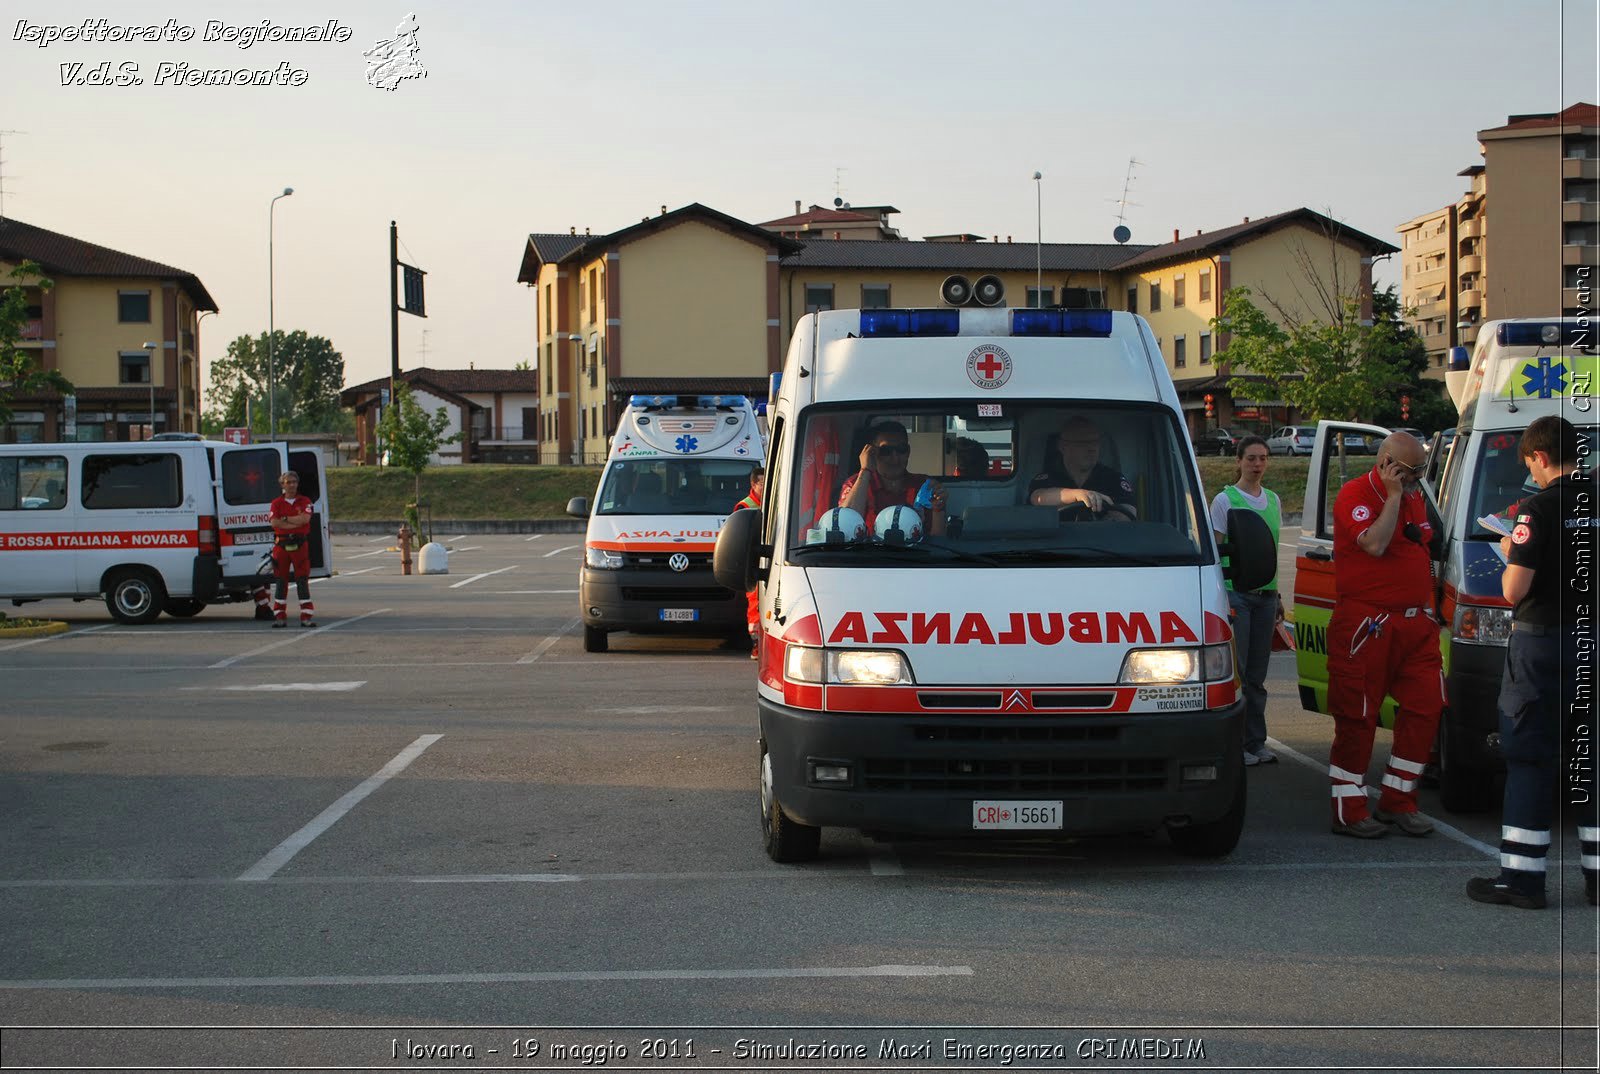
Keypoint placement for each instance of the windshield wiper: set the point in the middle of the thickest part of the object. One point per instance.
(906, 553)
(1067, 555)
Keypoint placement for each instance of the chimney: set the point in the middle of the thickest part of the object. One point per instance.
(836, 234)
(1174, 234)
(797, 206)
(663, 210)
(1198, 232)
(573, 230)
(586, 233)
(1008, 238)
(995, 239)
(1247, 219)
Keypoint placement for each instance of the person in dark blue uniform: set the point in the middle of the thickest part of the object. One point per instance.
(1547, 692)
(1077, 480)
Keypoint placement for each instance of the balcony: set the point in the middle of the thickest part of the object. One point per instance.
(505, 434)
(1579, 168)
(32, 330)
(1574, 298)
(1427, 311)
(1468, 335)
(1470, 263)
(1470, 229)
(1471, 297)
(1578, 254)
(1580, 212)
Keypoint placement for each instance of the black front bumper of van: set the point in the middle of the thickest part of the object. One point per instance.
(633, 598)
(920, 775)
(1473, 691)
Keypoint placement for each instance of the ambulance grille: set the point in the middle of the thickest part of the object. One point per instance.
(657, 561)
(1030, 777)
(693, 594)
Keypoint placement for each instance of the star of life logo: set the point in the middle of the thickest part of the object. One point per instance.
(1361, 513)
(988, 366)
(393, 60)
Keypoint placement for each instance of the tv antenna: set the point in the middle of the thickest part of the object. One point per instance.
(3, 133)
(423, 357)
(838, 185)
(1121, 232)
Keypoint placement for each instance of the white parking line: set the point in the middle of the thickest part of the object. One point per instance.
(53, 637)
(527, 592)
(364, 555)
(334, 687)
(469, 548)
(535, 537)
(1446, 830)
(565, 548)
(408, 980)
(280, 855)
(302, 636)
(363, 570)
(544, 646)
(485, 574)
(375, 540)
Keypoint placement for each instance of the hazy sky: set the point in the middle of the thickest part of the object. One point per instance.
(539, 117)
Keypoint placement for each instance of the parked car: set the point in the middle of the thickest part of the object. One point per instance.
(1357, 444)
(1292, 440)
(1418, 433)
(1217, 442)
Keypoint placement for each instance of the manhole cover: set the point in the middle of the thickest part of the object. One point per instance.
(63, 747)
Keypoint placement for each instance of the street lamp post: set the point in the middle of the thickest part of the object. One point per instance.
(1038, 246)
(150, 376)
(272, 371)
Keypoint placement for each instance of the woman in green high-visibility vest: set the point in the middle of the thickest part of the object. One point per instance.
(1255, 613)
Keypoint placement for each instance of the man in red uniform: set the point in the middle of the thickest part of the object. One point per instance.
(752, 613)
(290, 515)
(886, 481)
(1383, 639)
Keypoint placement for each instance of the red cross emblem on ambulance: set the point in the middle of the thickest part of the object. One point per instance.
(988, 366)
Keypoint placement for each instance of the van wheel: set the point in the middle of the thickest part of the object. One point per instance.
(786, 840)
(1217, 838)
(594, 639)
(184, 609)
(135, 596)
(1463, 788)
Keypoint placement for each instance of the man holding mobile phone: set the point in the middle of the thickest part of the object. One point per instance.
(1383, 640)
(886, 479)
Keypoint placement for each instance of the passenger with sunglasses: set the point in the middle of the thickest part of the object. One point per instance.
(886, 480)
(1383, 640)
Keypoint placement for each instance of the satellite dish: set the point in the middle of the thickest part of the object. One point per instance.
(837, 202)
(1121, 233)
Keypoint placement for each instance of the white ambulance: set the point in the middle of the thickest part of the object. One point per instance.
(1031, 671)
(153, 526)
(1518, 370)
(678, 466)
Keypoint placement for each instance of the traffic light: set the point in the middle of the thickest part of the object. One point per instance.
(1405, 408)
(1211, 410)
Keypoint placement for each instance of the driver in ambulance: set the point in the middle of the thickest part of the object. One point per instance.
(1077, 479)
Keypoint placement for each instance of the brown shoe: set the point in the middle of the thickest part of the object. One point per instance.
(1410, 823)
(1365, 828)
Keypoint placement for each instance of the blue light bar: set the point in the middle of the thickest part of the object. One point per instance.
(1544, 334)
(892, 324)
(1460, 360)
(712, 401)
(652, 400)
(1078, 323)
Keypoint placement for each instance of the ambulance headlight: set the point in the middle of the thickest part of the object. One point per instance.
(1212, 663)
(867, 667)
(602, 559)
(802, 664)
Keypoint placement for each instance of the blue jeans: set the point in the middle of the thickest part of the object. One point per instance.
(1253, 617)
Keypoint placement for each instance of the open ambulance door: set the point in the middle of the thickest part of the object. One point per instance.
(247, 482)
(1334, 460)
(314, 485)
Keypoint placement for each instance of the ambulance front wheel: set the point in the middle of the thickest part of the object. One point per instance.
(786, 839)
(1217, 838)
(184, 609)
(135, 596)
(594, 639)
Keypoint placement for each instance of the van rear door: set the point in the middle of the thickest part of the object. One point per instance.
(247, 483)
(314, 484)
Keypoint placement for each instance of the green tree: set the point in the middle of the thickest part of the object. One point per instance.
(411, 436)
(309, 376)
(1430, 406)
(20, 371)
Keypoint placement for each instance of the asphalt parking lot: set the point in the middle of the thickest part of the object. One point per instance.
(437, 810)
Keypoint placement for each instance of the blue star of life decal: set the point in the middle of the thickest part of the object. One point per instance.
(1546, 380)
(686, 443)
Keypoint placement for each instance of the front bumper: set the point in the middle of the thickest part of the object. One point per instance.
(920, 774)
(633, 598)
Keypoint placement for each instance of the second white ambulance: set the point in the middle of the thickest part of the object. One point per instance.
(1029, 671)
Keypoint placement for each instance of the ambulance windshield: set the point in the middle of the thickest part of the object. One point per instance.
(671, 486)
(1039, 482)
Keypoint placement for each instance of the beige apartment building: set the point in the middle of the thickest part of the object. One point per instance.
(1522, 241)
(93, 326)
(696, 301)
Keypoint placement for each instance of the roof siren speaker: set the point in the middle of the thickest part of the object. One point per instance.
(989, 291)
(956, 290)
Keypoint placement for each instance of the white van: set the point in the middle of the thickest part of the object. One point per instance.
(1519, 370)
(1031, 672)
(153, 526)
(677, 468)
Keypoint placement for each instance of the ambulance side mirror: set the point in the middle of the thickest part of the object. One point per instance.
(734, 562)
(578, 507)
(1252, 555)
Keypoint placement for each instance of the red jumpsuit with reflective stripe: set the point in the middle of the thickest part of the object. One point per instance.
(1383, 640)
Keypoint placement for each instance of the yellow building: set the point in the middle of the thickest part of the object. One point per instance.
(697, 301)
(93, 326)
(1522, 241)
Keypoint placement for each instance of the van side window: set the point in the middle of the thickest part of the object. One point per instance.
(123, 482)
(251, 476)
(33, 482)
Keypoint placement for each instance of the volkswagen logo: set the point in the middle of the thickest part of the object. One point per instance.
(678, 562)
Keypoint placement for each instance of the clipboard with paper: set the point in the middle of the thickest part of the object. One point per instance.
(1497, 525)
